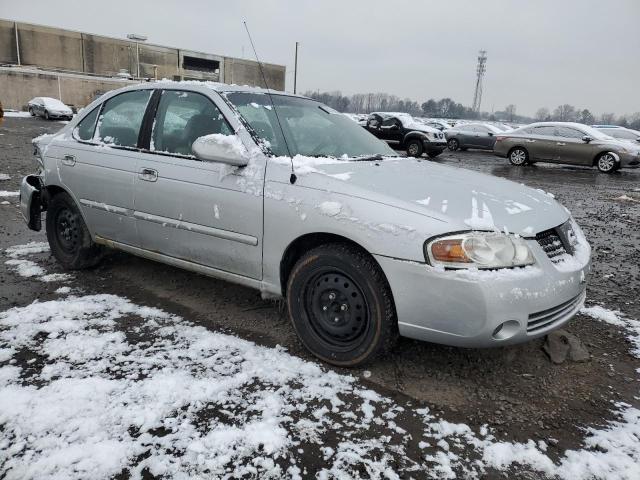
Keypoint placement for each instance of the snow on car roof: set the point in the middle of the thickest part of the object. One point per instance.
(52, 102)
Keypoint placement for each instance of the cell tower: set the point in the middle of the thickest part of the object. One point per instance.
(480, 70)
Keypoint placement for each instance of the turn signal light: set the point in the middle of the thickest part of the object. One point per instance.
(449, 251)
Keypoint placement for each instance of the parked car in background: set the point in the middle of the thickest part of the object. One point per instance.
(359, 118)
(472, 135)
(566, 142)
(435, 123)
(363, 245)
(621, 133)
(49, 108)
(403, 132)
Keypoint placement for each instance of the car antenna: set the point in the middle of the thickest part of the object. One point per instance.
(293, 176)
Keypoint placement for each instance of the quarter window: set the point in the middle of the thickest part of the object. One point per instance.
(182, 118)
(84, 130)
(121, 118)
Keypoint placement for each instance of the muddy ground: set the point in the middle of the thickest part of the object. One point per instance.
(516, 390)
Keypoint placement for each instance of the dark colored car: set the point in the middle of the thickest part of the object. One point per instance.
(402, 132)
(472, 135)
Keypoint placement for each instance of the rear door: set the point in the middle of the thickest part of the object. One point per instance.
(98, 164)
(571, 148)
(483, 137)
(466, 135)
(542, 143)
(391, 131)
(208, 213)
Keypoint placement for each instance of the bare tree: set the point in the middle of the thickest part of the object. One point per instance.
(565, 113)
(607, 118)
(543, 115)
(510, 111)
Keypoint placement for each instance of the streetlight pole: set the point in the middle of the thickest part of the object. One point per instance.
(295, 71)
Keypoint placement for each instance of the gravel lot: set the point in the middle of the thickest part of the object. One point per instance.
(516, 391)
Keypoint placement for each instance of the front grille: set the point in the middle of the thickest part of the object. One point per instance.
(546, 318)
(551, 243)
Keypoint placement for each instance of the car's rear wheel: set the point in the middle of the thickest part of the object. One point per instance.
(518, 156)
(46, 115)
(68, 236)
(414, 148)
(453, 144)
(31, 112)
(341, 305)
(607, 163)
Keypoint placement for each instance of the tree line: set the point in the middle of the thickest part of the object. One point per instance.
(448, 108)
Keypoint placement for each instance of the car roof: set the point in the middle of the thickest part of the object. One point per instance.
(556, 124)
(198, 85)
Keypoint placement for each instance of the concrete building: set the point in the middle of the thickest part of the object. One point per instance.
(37, 60)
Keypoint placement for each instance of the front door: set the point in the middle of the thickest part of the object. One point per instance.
(98, 164)
(204, 212)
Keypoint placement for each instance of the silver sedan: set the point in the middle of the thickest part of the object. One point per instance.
(283, 194)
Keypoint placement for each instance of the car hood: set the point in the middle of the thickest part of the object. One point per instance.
(465, 199)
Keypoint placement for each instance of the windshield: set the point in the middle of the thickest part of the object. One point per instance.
(310, 128)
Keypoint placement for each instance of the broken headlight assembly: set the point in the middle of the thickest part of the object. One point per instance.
(487, 250)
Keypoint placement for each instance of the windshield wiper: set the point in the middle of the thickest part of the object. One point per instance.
(370, 158)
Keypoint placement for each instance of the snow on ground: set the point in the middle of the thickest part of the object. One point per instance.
(93, 385)
(5, 193)
(28, 268)
(4, 176)
(16, 114)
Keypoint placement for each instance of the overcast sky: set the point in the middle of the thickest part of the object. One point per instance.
(540, 53)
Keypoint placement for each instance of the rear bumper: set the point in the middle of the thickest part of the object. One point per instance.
(31, 201)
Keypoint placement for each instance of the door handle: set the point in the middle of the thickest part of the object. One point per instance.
(69, 160)
(561, 144)
(148, 175)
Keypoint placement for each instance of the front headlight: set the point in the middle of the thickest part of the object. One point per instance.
(479, 250)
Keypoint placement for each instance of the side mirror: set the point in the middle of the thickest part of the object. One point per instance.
(221, 148)
(490, 134)
(586, 139)
(395, 127)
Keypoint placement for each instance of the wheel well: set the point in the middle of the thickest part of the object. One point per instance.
(597, 157)
(303, 244)
(51, 191)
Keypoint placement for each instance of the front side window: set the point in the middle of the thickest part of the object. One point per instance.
(84, 130)
(121, 118)
(183, 117)
(310, 128)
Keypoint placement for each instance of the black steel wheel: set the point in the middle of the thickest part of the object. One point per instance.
(68, 236)
(341, 305)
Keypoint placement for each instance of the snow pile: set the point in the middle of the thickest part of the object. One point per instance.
(5, 193)
(330, 209)
(4, 176)
(618, 319)
(16, 114)
(481, 218)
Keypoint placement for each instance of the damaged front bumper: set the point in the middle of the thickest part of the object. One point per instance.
(31, 204)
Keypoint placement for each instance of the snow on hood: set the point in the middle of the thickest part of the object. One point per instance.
(469, 200)
(55, 104)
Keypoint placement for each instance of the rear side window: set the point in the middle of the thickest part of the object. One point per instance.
(550, 131)
(84, 130)
(121, 118)
(183, 117)
(569, 132)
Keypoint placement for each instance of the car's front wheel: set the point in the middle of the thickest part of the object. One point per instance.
(414, 148)
(31, 112)
(341, 305)
(518, 156)
(453, 144)
(68, 236)
(607, 163)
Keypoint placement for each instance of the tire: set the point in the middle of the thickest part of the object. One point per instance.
(31, 112)
(606, 163)
(68, 236)
(518, 156)
(46, 115)
(433, 154)
(453, 144)
(341, 306)
(414, 148)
